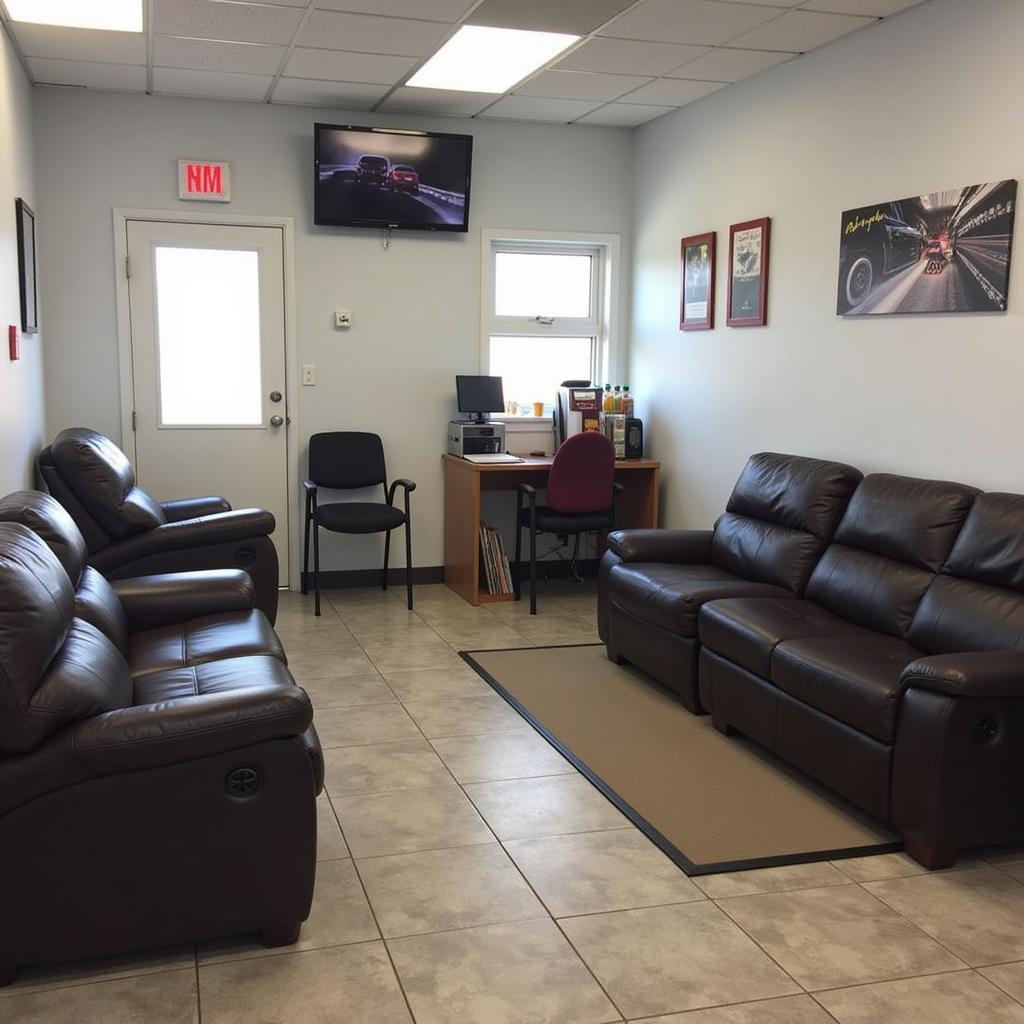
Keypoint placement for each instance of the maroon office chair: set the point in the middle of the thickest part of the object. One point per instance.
(582, 497)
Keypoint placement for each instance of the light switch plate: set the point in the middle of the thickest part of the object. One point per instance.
(308, 374)
(342, 318)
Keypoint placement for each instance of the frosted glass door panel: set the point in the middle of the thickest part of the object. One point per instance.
(208, 337)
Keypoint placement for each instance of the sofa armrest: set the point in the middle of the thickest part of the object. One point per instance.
(165, 600)
(681, 546)
(971, 674)
(190, 508)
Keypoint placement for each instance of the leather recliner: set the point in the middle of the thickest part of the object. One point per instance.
(172, 803)
(129, 534)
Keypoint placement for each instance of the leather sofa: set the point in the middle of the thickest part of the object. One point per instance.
(129, 534)
(895, 673)
(158, 764)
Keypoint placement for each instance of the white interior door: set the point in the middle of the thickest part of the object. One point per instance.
(208, 365)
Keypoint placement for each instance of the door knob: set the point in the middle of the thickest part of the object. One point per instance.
(275, 396)
(276, 421)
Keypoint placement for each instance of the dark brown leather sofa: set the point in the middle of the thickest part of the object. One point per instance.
(158, 764)
(897, 677)
(128, 534)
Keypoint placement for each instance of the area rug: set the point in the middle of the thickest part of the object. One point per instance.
(711, 802)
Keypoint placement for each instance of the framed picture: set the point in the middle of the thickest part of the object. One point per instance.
(27, 266)
(945, 252)
(697, 287)
(748, 273)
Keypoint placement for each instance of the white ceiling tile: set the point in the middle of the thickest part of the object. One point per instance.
(534, 108)
(238, 22)
(214, 55)
(338, 66)
(800, 31)
(766, 3)
(428, 10)
(871, 8)
(351, 95)
(580, 85)
(576, 17)
(277, 3)
(92, 75)
(727, 64)
(80, 43)
(337, 31)
(210, 84)
(623, 57)
(624, 115)
(437, 101)
(671, 92)
(700, 22)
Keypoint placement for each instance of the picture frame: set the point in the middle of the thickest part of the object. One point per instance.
(26, 221)
(697, 282)
(749, 248)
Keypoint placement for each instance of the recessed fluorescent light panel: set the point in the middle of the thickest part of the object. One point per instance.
(117, 15)
(481, 59)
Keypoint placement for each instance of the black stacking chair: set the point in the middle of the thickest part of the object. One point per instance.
(347, 460)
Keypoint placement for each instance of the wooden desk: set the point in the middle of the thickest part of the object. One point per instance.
(464, 481)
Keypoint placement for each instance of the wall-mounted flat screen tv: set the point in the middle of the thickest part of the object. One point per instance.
(387, 178)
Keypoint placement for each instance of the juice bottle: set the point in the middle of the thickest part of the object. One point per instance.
(627, 401)
(607, 402)
(617, 399)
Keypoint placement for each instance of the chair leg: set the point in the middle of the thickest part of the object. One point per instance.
(408, 563)
(305, 557)
(533, 566)
(316, 567)
(518, 570)
(387, 554)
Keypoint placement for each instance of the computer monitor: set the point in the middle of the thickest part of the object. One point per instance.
(479, 395)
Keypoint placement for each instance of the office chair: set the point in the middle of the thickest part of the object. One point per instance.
(347, 460)
(582, 496)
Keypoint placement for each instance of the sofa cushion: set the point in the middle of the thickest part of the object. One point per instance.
(98, 604)
(211, 638)
(990, 547)
(855, 679)
(670, 596)
(757, 550)
(747, 630)
(229, 674)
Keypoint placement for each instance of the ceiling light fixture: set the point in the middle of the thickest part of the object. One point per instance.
(116, 15)
(481, 59)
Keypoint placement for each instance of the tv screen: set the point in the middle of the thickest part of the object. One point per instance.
(379, 177)
(479, 394)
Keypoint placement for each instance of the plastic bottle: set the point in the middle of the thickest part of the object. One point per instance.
(627, 401)
(608, 400)
(617, 399)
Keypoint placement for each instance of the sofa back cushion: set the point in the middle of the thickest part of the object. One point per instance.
(894, 537)
(48, 519)
(103, 480)
(977, 603)
(781, 514)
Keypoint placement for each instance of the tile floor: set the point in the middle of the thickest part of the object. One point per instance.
(468, 875)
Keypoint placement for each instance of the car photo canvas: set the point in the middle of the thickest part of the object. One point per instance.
(945, 252)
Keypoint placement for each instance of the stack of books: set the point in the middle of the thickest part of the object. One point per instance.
(496, 567)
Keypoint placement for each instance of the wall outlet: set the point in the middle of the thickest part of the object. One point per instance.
(342, 318)
(308, 374)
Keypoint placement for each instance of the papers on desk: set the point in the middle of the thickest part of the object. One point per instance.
(491, 459)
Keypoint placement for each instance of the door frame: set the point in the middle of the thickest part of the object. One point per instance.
(121, 216)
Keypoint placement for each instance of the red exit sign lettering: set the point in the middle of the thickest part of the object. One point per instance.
(206, 180)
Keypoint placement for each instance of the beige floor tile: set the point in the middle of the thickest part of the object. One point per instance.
(340, 916)
(884, 866)
(505, 755)
(373, 616)
(343, 985)
(410, 820)
(523, 973)
(299, 637)
(437, 683)
(447, 614)
(792, 876)
(383, 768)
(465, 716)
(667, 959)
(329, 664)
(554, 626)
(152, 961)
(417, 656)
(429, 641)
(963, 998)
(169, 998)
(330, 843)
(556, 805)
(403, 633)
(978, 914)
(594, 872)
(367, 723)
(1009, 977)
(478, 637)
(786, 1010)
(837, 936)
(441, 890)
(348, 691)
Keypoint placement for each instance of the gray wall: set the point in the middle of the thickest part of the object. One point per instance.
(21, 382)
(930, 100)
(416, 306)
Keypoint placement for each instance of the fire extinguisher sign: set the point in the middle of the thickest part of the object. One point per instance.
(205, 180)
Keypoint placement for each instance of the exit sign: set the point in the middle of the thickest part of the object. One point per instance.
(208, 180)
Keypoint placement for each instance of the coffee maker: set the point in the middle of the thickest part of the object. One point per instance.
(577, 408)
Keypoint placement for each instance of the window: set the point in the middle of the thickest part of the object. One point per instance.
(547, 314)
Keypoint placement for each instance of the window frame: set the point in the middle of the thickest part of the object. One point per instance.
(603, 324)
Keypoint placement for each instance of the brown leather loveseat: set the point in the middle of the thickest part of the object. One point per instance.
(158, 764)
(894, 672)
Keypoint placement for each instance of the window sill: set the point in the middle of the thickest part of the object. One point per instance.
(520, 423)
